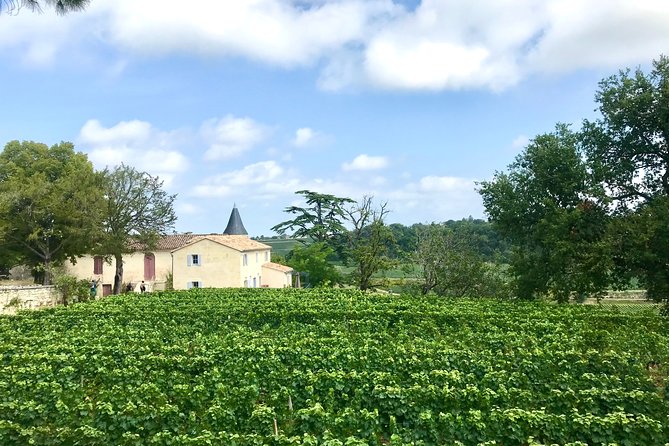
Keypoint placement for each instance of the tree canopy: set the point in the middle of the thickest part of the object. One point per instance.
(545, 205)
(368, 244)
(137, 212)
(588, 209)
(50, 199)
(627, 147)
(321, 220)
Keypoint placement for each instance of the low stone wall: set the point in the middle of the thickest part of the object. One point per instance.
(14, 298)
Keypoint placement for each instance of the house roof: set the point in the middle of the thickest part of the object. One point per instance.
(235, 225)
(277, 267)
(174, 241)
(237, 242)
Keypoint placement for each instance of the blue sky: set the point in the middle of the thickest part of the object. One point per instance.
(246, 102)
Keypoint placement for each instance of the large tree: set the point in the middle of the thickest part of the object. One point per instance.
(137, 212)
(549, 210)
(60, 6)
(50, 203)
(368, 243)
(321, 220)
(449, 262)
(628, 153)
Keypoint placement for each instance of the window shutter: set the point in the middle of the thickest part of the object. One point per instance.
(199, 260)
(189, 285)
(189, 260)
(201, 284)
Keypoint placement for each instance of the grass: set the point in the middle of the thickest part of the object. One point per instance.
(281, 246)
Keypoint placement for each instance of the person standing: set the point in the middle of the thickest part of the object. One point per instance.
(142, 287)
(94, 288)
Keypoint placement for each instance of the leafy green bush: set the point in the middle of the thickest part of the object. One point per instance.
(72, 289)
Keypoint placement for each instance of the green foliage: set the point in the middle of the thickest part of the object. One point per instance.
(322, 220)
(50, 202)
(136, 213)
(639, 241)
(545, 205)
(451, 265)
(368, 244)
(331, 367)
(627, 146)
(313, 262)
(627, 154)
(169, 281)
(72, 289)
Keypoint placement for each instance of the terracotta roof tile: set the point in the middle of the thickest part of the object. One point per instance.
(237, 242)
(174, 241)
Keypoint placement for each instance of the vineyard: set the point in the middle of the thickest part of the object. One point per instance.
(331, 367)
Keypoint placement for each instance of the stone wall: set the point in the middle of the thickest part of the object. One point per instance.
(13, 298)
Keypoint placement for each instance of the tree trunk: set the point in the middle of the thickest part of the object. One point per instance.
(46, 280)
(118, 276)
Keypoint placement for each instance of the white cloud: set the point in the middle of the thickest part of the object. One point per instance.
(602, 33)
(436, 198)
(229, 137)
(273, 31)
(303, 136)
(37, 38)
(136, 143)
(440, 44)
(366, 162)
(262, 175)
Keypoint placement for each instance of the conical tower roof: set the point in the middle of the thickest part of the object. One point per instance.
(235, 225)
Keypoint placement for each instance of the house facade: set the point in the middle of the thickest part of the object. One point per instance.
(227, 260)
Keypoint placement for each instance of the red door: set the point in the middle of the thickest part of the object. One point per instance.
(149, 267)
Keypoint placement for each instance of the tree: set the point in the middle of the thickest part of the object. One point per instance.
(369, 241)
(405, 240)
(322, 220)
(312, 260)
(137, 212)
(552, 214)
(449, 262)
(60, 6)
(628, 153)
(50, 202)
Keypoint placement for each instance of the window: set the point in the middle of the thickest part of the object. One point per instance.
(97, 264)
(254, 283)
(245, 260)
(266, 256)
(194, 284)
(256, 257)
(194, 260)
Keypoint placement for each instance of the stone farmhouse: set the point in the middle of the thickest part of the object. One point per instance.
(227, 260)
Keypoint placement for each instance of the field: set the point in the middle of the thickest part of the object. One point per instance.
(332, 367)
(281, 246)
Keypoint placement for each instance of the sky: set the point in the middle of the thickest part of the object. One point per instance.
(245, 102)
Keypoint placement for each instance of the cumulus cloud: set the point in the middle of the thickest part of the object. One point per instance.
(436, 198)
(38, 38)
(230, 136)
(439, 44)
(366, 162)
(304, 136)
(250, 177)
(136, 143)
(273, 31)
